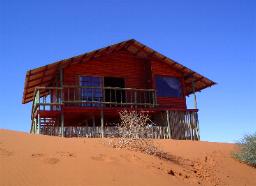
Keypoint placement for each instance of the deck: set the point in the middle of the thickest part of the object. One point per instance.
(74, 103)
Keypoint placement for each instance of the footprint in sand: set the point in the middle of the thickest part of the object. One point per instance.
(111, 159)
(5, 153)
(103, 157)
(65, 154)
(130, 158)
(99, 157)
(51, 161)
(37, 155)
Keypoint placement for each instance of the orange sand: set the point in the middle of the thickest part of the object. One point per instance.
(27, 159)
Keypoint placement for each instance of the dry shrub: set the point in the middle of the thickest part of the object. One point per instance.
(247, 150)
(133, 129)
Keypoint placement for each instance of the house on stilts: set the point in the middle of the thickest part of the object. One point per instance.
(82, 96)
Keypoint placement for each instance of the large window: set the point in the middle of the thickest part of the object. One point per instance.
(168, 86)
(91, 89)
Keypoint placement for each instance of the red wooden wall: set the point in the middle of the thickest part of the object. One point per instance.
(120, 64)
(138, 73)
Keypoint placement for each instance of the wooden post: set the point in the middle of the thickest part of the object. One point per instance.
(93, 121)
(38, 115)
(102, 123)
(32, 130)
(93, 126)
(38, 123)
(62, 124)
(61, 84)
(61, 101)
(135, 98)
(34, 125)
(155, 98)
(168, 124)
(193, 88)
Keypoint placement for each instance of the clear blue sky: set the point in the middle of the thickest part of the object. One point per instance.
(215, 38)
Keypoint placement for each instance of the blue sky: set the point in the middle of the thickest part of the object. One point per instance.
(215, 38)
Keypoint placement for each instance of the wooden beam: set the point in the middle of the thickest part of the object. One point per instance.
(189, 75)
(102, 123)
(103, 51)
(38, 123)
(151, 54)
(44, 72)
(93, 121)
(194, 93)
(38, 84)
(168, 124)
(40, 77)
(152, 57)
(62, 124)
(181, 69)
(139, 50)
(198, 79)
(41, 69)
(71, 60)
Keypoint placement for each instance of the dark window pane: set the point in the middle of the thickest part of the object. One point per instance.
(94, 90)
(168, 86)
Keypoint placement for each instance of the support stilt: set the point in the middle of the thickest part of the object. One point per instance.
(61, 101)
(62, 124)
(93, 126)
(102, 123)
(193, 88)
(38, 123)
(93, 121)
(168, 124)
(34, 126)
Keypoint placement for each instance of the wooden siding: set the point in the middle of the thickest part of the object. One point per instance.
(120, 64)
(137, 73)
(165, 102)
(161, 68)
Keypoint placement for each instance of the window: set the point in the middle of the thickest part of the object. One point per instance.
(168, 86)
(91, 90)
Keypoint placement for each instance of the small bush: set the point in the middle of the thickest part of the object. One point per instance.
(247, 150)
(133, 129)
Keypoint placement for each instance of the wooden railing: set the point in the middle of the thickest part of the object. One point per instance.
(47, 98)
(155, 132)
(53, 98)
(183, 124)
(109, 96)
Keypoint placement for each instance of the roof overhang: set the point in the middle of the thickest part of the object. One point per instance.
(44, 75)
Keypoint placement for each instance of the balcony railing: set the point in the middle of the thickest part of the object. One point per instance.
(53, 98)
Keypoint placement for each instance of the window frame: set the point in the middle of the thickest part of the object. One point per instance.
(168, 76)
(91, 76)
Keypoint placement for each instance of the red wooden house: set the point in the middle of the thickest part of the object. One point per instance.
(82, 95)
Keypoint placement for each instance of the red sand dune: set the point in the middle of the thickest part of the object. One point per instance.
(27, 159)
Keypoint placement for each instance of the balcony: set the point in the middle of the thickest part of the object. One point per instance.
(55, 98)
(50, 101)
